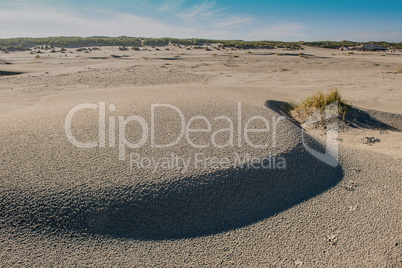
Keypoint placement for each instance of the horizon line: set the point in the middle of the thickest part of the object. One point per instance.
(191, 38)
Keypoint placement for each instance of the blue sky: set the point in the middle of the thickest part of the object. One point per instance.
(219, 19)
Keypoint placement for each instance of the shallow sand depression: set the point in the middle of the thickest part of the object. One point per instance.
(109, 205)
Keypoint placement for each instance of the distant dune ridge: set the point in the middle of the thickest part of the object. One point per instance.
(47, 43)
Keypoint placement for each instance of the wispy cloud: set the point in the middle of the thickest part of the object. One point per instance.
(171, 5)
(233, 21)
(207, 10)
(223, 24)
(31, 23)
(204, 20)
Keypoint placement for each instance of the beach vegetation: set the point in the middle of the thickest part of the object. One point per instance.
(318, 102)
(46, 43)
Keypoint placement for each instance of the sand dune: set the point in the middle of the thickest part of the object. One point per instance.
(63, 205)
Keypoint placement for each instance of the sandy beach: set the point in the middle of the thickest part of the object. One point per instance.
(223, 193)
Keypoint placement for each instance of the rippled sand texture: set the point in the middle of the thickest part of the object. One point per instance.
(66, 206)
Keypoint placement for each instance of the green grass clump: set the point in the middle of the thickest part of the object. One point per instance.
(318, 102)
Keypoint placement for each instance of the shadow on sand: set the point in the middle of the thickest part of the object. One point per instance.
(213, 203)
(9, 73)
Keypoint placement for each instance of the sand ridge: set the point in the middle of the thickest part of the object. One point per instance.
(103, 195)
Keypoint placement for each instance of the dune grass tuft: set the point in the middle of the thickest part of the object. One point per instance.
(317, 102)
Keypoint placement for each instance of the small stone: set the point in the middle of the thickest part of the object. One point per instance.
(350, 186)
(332, 239)
(369, 140)
(298, 262)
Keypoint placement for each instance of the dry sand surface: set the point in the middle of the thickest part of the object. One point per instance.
(61, 205)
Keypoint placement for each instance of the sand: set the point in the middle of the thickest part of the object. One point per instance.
(66, 206)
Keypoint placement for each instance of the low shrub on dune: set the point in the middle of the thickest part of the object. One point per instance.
(317, 103)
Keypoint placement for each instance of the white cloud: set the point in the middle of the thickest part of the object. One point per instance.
(55, 23)
(205, 20)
